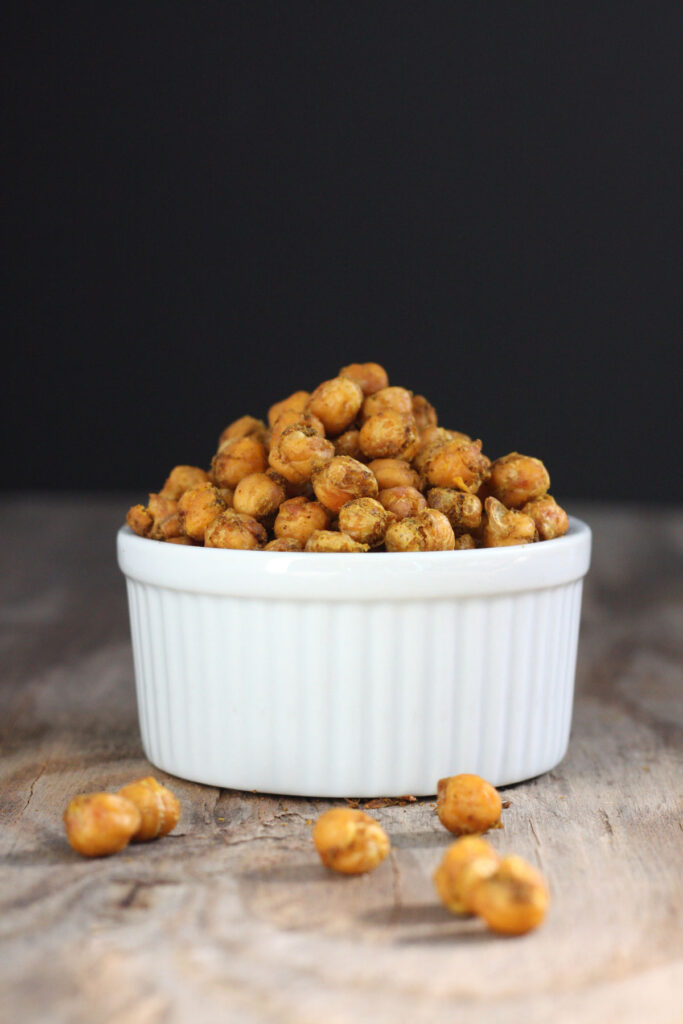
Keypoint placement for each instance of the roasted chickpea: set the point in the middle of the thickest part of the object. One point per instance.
(365, 520)
(350, 841)
(238, 457)
(464, 864)
(466, 804)
(392, 399)
(158, 806)
(235, 530)
(329, 540)
(98, 824)
(298, 518)
(428, 531)
(348, 443)
(402, 501)
(227, 494)
(259, 495)
(551, 520)
(370, 376)
(296, 401)
(465, 542)
(181, 479)
(283, 544)
(197, 508)
(424, 413)
(516, 479)
(336, 403)
(394, 473)
(245, 426)
(165, 522)
(299, 452)
(140, 520)
(502, 527)
(457, 464)
(462, 509)
(342, 480)
(389, 435)
(431, 440)
(291, 416)
(182, 540)
(513, 900)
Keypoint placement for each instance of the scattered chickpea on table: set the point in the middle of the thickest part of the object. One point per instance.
(355, 465)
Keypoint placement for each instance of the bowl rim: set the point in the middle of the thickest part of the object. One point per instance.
(363, 576)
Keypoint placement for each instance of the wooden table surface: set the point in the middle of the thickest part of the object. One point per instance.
(232, 917)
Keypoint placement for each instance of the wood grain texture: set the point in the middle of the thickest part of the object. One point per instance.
(233, 918)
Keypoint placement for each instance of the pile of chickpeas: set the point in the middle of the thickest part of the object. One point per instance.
(355, 465)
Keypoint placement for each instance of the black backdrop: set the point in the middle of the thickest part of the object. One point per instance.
(212, 204)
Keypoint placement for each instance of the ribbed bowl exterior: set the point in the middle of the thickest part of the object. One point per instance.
(341, 698)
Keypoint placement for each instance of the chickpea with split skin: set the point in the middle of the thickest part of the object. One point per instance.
(198, 508)
(342, 479)
(505, 527)
(299, 452)
(462, 509)
(459, 465)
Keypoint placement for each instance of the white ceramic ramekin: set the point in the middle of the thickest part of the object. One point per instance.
(359, 674)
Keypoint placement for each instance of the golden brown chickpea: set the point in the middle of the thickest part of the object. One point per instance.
(342, 480)
(516, 479)
(227, 494)
(336, 402)
(298, 518)
(465, 542)
(299, 452)
(182, 540)
(502, 527)
(428, 531)
(297, 402)
(165, 522)
(394, 473)
(466, 804)
(348, 443)
(283, 544)
(245, 426)
(457, 464)
(462, 509)
(181, 479)
(370, 376)
(330, 540)
(350, 841)
(551, 520)
(464, 864)
(432, 434)
(237, 458)
(235, 530)
(424, 413)
(158, 806)
(365, 520)
(513, 900)
(402, 501)
(140, 520)
(439, 531)
(98, 824)
(259, 495)
(197, 508)
(392, 399)
(291, 416)
(389, 435)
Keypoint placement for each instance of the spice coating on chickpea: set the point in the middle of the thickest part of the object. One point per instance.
(245, 426)
(198, 508)
(389, 435)
(516, 479)
(348, 443)
(333, 542)
(424, 413)
(299, 452)
(428, 531)
(139, 519)
(283, 544)
(371, 377)
(259, 495)
(159, 808)
(513, 900)
(503, 527)
(164, 513)
(457, 464)
(291, 416)
(366, 520)
(551, 520)
(394, 473)
(98, 824)
(467, 804)
(297, 401)
(342, 480)
(464, 864)
(462, 509)
(392, 399)
(181, 479)
(298, 518)
(236, 458)
(464, 542)
(235, 530)
(336, 403)
(402, 501)
(350, 841)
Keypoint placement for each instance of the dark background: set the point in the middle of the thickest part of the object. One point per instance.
(213, 204)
